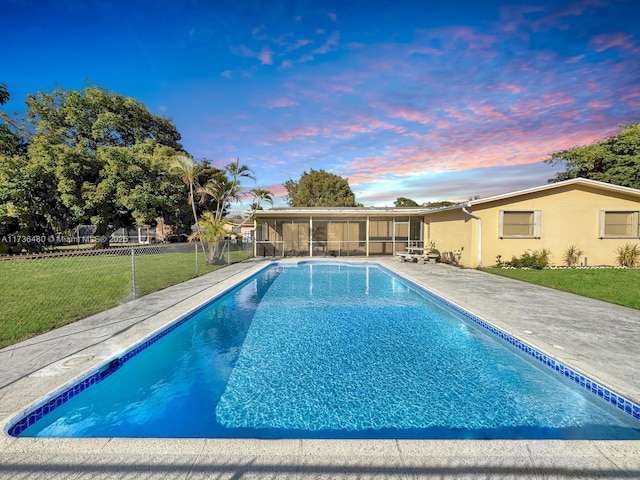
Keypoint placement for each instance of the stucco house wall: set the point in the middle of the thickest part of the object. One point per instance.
(567, 213)
(452, 233)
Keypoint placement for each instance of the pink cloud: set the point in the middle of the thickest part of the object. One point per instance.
(558, 99)
(575, 59)
(243, 51)
(515, 18)
(510, 87)
(266, 56)
(488, 112)
(424, 50)
(310, 131)
(412, 116)
(599, 104)
(632, 99)
(333, 17)
(331, 43)
(476, 41)
(365, 125)
(303, 42)
(569, 114)
(472, 150)
(342, 88)
(281, 103)
(600, 43)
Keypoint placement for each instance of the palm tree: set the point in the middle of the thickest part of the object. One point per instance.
(260, 195)
(232, 187)
(187, 168)
(4, 94)
(210, 231)
(223, 189)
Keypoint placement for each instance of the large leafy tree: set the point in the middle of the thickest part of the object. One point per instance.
(405, 202)
(94, 157)
(318, 188)
(11, 142)
(613, 160)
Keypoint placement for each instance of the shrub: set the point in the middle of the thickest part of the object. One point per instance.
(571, 256)
(628, 256)
(536, 259)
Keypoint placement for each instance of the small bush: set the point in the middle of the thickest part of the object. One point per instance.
(536, 259)
(571, 256)
(628, 255)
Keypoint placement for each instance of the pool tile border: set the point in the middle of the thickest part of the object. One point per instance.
(31, 416)
(622, 403)
(23, 421)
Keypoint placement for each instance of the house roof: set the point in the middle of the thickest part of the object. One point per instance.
(391, 211)
(340, 211)
(554, 186)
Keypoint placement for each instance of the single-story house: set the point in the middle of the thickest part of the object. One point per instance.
(595, 217)
(240, 229)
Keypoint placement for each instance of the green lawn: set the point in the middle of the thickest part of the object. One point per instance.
(618, 286)
(40, 295)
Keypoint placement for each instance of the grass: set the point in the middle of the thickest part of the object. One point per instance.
(619, 286)
(43, 294)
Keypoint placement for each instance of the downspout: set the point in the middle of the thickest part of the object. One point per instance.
(464, 209)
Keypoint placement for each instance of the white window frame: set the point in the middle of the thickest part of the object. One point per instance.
(635, 227)
(537, 223)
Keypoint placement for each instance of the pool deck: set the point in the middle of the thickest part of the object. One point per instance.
(597, 338)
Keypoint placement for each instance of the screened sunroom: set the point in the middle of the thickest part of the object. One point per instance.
(337, 232)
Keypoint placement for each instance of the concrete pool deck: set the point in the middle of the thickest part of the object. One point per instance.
(596, 338)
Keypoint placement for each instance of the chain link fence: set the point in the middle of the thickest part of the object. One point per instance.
(44, 291)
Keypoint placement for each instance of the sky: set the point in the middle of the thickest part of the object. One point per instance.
(424, 99)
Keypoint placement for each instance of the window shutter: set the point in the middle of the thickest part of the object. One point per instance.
(500, 223)
(602, 220)
(537, 229)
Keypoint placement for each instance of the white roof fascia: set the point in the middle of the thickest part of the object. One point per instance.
(359, 211)
(551, 186)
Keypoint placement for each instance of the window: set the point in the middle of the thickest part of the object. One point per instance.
(618, 224)
(380, 228)
(520, 224)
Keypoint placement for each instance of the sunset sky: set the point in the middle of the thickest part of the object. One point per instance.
(430, 100)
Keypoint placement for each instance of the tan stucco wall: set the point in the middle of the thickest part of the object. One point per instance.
(570, 216)
(452, 231)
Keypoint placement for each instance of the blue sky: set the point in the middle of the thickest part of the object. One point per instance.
(428, 100)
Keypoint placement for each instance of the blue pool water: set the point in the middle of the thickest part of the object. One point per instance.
(316, 350)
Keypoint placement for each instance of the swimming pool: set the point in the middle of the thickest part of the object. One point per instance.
(332, 351)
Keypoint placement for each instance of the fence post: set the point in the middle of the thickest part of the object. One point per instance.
(133, 272)
(195, 244)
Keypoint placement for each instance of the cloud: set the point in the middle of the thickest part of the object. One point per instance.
(606, 41)
(599, 104)
(280, 103)
(330, 44)
(574, 59)
(310, 131)
(266, 56)
(303, 42)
